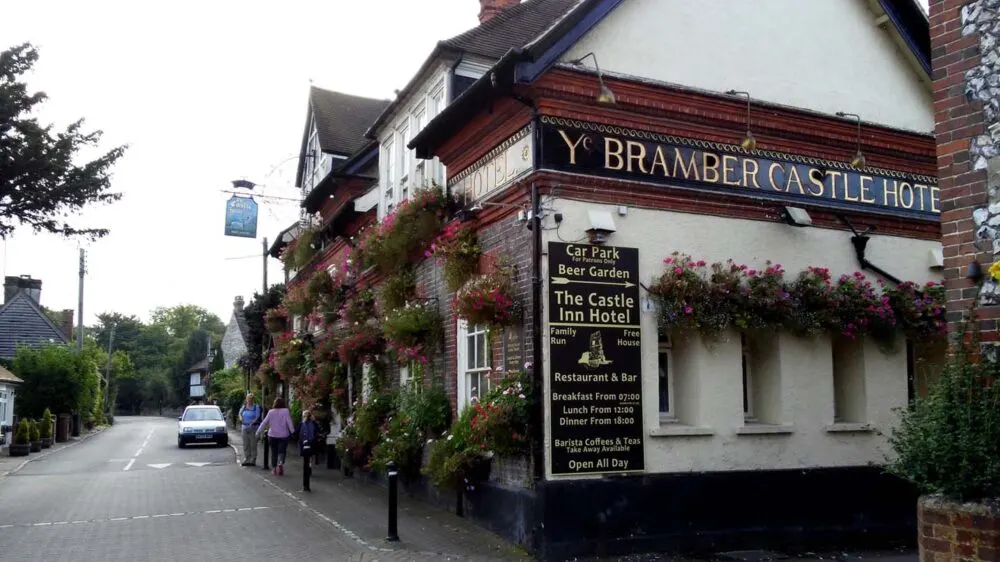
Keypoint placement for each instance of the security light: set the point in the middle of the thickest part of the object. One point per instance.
(601, 226)
(796, 216)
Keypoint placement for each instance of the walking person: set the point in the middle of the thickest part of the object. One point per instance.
(250, 416)
(308, 434)
(279, 426)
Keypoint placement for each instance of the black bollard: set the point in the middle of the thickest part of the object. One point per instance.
(393, 476)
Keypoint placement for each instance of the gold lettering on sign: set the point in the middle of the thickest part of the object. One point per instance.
(608, 153)
(689, 170)
(571, 145)
(833, 184)
(793, 179)
(659, 159)
(729, 167)
(906, 195)
(712, 167)
(816, 181)
(935, 198)
(636, 152)
(749, 164)
(922, 188)
(866, 189)
(775, 184)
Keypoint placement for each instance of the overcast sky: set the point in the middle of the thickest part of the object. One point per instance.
(203, 93)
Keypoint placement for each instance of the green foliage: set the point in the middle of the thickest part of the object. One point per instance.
(254, 313)
(455, 458)
(46, 424)
(23, 435)
(414, 331)
(406, 234)
(183, 320)
(54, 376)
(228, 387)
(428, 407)
(949, 442)
(396, 290)
(457, 250)
(43, 179)
(421, 413)
(36, 434)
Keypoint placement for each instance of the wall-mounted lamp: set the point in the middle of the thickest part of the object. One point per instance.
(796, 216)
(859, 158)
(748, 142)
(605, 95)
(601, 226)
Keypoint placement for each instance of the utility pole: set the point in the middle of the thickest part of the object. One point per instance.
(263, 357)
(107, 372)
(83, 270)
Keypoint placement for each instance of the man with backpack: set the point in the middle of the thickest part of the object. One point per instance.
(250, 415)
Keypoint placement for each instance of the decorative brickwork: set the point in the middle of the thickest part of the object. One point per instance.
(951, 531)
(966, 86)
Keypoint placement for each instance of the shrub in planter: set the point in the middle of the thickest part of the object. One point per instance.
(457, 250)
(500, 419)
(455, 462)
(22, 440)
(46, 429)
(414, 332)
(36, 437)
(487, 300)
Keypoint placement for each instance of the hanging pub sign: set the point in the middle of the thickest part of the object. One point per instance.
(596, 359)
(616, 152)
(241, 217)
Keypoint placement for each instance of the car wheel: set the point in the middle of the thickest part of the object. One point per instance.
(180, 443)
(224, 443)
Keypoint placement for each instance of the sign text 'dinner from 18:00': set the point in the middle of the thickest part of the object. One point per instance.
(596, 358)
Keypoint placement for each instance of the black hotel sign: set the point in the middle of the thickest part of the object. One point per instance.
(596, 359)
(597, 150)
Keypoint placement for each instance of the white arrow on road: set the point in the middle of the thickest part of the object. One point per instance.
(163, 465)
(567, 281)
(198, 464)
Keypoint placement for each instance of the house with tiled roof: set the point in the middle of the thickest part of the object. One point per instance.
(8, 389)
(22, 320)
(234, 341)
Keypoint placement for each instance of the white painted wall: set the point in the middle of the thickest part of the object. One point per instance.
(399, 169)
(708, 387)
(823, 55)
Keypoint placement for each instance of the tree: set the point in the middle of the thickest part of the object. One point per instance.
(56, 377)
(127, 330)
(41, 186)
(254, 314)
(181, 320)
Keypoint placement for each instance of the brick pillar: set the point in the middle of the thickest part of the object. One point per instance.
(966, 84)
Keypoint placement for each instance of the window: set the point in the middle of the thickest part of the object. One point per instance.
(665, 380)
(419, 120)
(747, 379)
(473, 364)
(406, 157)
(849, 402)
(405, 375)
(388, 181)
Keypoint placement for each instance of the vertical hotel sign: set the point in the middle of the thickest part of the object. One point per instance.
(596, 359)
(241, 217)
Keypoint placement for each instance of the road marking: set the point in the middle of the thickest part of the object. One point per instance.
(162, 465)
(129, 465)
(134, 517)
(144, 443)
(198, 464)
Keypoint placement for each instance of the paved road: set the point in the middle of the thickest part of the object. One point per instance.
(130, 494)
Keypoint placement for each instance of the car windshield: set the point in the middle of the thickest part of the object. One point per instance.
(203, 414)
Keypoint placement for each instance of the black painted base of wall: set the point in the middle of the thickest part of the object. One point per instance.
(697, 513)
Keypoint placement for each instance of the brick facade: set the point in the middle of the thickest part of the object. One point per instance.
(963, 79)
(951, 531)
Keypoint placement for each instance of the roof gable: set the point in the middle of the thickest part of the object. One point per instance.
(22, 323)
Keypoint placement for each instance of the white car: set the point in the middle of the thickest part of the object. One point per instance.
(202, 424)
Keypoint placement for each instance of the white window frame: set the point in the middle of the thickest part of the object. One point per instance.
(388, 182)
(405, 161)
(482, 373)
(419, 167)
(436, 104)
(664, 350)
(746, 355)
(405, 375)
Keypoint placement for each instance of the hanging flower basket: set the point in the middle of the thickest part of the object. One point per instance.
(920, 311)
(457, 250)
(414, 331)
(404, 235)
(487, 300)
(276, 320)
(360, 343)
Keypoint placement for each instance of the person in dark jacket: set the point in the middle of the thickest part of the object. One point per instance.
(308, 436)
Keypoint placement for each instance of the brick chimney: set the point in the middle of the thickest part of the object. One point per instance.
(66, 325)
(490, 8)
(238, 304)
(967, 130)
(13, 285)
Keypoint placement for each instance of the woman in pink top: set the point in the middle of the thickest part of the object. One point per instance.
(279, 428)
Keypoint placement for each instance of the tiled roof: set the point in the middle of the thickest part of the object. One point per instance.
(342, 119)
(514, 27)
(22, 323)
(7, 376)
(199, 366)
